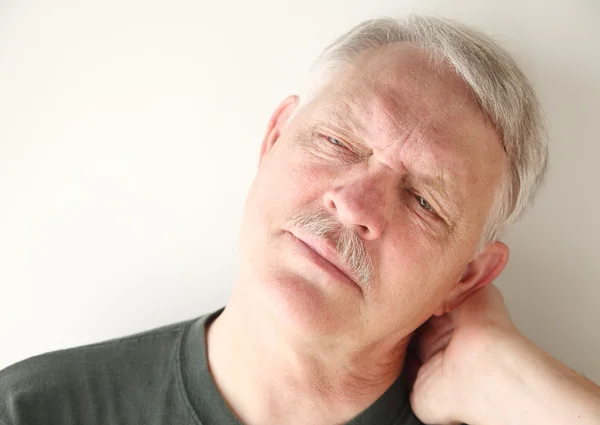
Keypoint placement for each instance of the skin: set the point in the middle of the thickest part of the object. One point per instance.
(295, 337)
(477, 368)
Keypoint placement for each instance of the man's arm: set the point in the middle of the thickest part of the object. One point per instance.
(534, 388)
(479, 369)
(531, 387)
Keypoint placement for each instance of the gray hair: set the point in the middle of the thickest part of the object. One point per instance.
(502, 91)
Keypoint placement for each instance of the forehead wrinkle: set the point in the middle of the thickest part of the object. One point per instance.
(341, 111)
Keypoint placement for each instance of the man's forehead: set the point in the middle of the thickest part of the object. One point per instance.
(395, 77)
(388, 122)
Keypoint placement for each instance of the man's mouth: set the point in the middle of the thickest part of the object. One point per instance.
(324, 254)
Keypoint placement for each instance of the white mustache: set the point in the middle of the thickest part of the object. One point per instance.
(349, 245)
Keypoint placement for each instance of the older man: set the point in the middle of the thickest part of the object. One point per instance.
(376, 209)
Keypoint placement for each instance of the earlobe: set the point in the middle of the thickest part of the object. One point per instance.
(481, 271)
(278, 121)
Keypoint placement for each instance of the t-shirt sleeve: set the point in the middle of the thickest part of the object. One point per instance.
(33, 392)
(125, 380)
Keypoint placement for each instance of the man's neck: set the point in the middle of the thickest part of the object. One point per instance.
(269, 376)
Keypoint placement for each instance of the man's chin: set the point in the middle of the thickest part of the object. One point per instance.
(303, 306)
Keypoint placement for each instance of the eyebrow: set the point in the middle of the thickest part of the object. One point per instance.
(341, 112)
(439, 187)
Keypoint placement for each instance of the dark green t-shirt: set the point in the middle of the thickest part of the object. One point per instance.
(156, 377)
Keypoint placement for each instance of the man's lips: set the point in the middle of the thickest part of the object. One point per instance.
(326, 252)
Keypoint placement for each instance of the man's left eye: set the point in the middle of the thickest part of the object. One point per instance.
(335, 141)
(424, 203)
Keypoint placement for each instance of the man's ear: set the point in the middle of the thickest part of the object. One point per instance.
(481, 271)
(276, 124)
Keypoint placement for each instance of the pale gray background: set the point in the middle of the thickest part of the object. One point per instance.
(130, 131)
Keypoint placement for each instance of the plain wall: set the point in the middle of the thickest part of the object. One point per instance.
(130, 132)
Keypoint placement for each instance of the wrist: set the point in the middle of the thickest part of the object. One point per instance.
(493, 368)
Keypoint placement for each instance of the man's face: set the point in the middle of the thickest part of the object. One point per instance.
(396, 159)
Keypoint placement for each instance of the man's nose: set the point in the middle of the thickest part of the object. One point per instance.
(362, 204)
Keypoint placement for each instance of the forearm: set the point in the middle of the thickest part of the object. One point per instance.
(528, 386)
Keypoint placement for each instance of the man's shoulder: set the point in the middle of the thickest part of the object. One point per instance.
(71, 383)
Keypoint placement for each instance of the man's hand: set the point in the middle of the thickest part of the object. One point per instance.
(477, 368)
